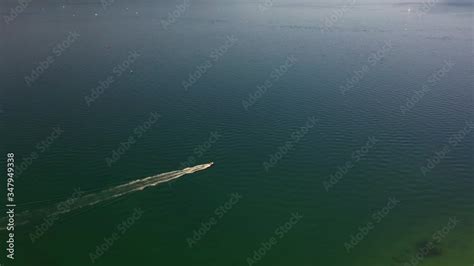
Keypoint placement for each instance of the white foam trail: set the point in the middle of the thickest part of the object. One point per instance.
(107, 194)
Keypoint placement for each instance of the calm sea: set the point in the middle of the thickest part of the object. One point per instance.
(341, 132)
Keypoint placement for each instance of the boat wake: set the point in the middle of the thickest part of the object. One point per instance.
(104, 195)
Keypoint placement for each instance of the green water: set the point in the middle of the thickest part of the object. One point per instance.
(207, 121)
